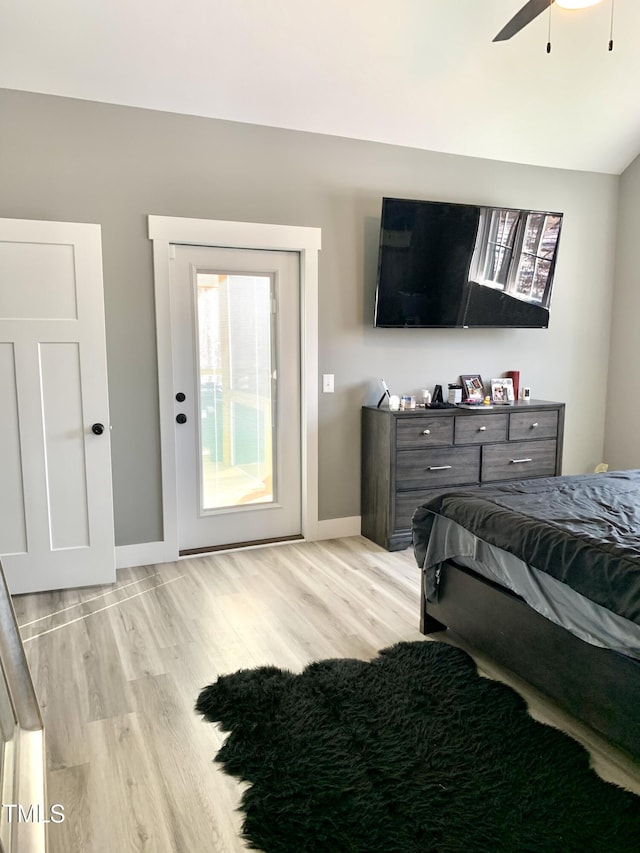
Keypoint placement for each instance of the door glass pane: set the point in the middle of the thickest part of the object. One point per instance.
(236, 390)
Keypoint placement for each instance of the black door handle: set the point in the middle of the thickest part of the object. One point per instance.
(97, 429)
(182, 419)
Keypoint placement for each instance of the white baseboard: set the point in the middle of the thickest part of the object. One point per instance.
(337, 528)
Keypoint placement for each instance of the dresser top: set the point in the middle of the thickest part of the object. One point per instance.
(517, 406)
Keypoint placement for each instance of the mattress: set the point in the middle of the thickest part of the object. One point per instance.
(569, 546)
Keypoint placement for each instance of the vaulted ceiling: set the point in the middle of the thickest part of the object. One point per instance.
(421, 73)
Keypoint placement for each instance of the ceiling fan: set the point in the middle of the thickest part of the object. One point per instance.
(532, 9)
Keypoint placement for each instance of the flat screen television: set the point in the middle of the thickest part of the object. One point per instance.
(450, 265)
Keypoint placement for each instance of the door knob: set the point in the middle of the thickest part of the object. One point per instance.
(180, 397)
(181, 419)
(97, 429)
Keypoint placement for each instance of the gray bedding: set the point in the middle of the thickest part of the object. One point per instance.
(584, 531)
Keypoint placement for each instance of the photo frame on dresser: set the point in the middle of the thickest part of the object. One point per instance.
(473, 388)
(502, 391)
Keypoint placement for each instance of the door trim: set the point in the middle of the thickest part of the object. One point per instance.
(306, 241)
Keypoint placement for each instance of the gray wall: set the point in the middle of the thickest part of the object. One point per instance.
(622, 445)
(82, 161)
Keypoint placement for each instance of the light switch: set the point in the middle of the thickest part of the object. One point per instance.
(327, 383)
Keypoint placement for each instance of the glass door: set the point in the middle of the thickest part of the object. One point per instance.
(235, 317)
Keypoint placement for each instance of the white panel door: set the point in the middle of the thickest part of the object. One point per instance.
(56, 506)
(235, 323)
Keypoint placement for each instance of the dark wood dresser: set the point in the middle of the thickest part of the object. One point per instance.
(409, 456)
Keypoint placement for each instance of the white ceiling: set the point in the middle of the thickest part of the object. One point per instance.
(422, 73)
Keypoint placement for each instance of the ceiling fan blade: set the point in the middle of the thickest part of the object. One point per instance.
(528, 12)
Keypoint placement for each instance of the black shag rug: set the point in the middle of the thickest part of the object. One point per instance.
(412, 752)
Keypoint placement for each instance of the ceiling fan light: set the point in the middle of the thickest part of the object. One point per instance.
(576, 4)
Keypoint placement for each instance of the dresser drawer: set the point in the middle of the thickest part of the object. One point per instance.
(479, 429)
(533, 425)
(519, 461)
(424, 431)
(406, 505)
(445, 466)
(408, 502)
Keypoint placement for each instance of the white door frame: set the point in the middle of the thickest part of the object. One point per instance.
(167, 230)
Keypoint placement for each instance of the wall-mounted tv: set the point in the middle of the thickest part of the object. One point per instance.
(450, 265)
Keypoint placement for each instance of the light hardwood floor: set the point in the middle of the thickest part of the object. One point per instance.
(117, 671)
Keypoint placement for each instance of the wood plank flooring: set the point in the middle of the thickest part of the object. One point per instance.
(117, 671)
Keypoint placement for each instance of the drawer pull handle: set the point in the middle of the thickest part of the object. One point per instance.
(439, 467)
(533, 426)
(482, 429)
(516, 461)
(426, 432)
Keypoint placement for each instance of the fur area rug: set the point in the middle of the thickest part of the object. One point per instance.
(412, 752)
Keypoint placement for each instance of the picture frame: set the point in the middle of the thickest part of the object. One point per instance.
(473, 388)
(502, 392)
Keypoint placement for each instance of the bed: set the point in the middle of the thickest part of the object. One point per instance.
(543, 576)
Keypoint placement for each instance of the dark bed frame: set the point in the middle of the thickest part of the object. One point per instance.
(595, 685)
